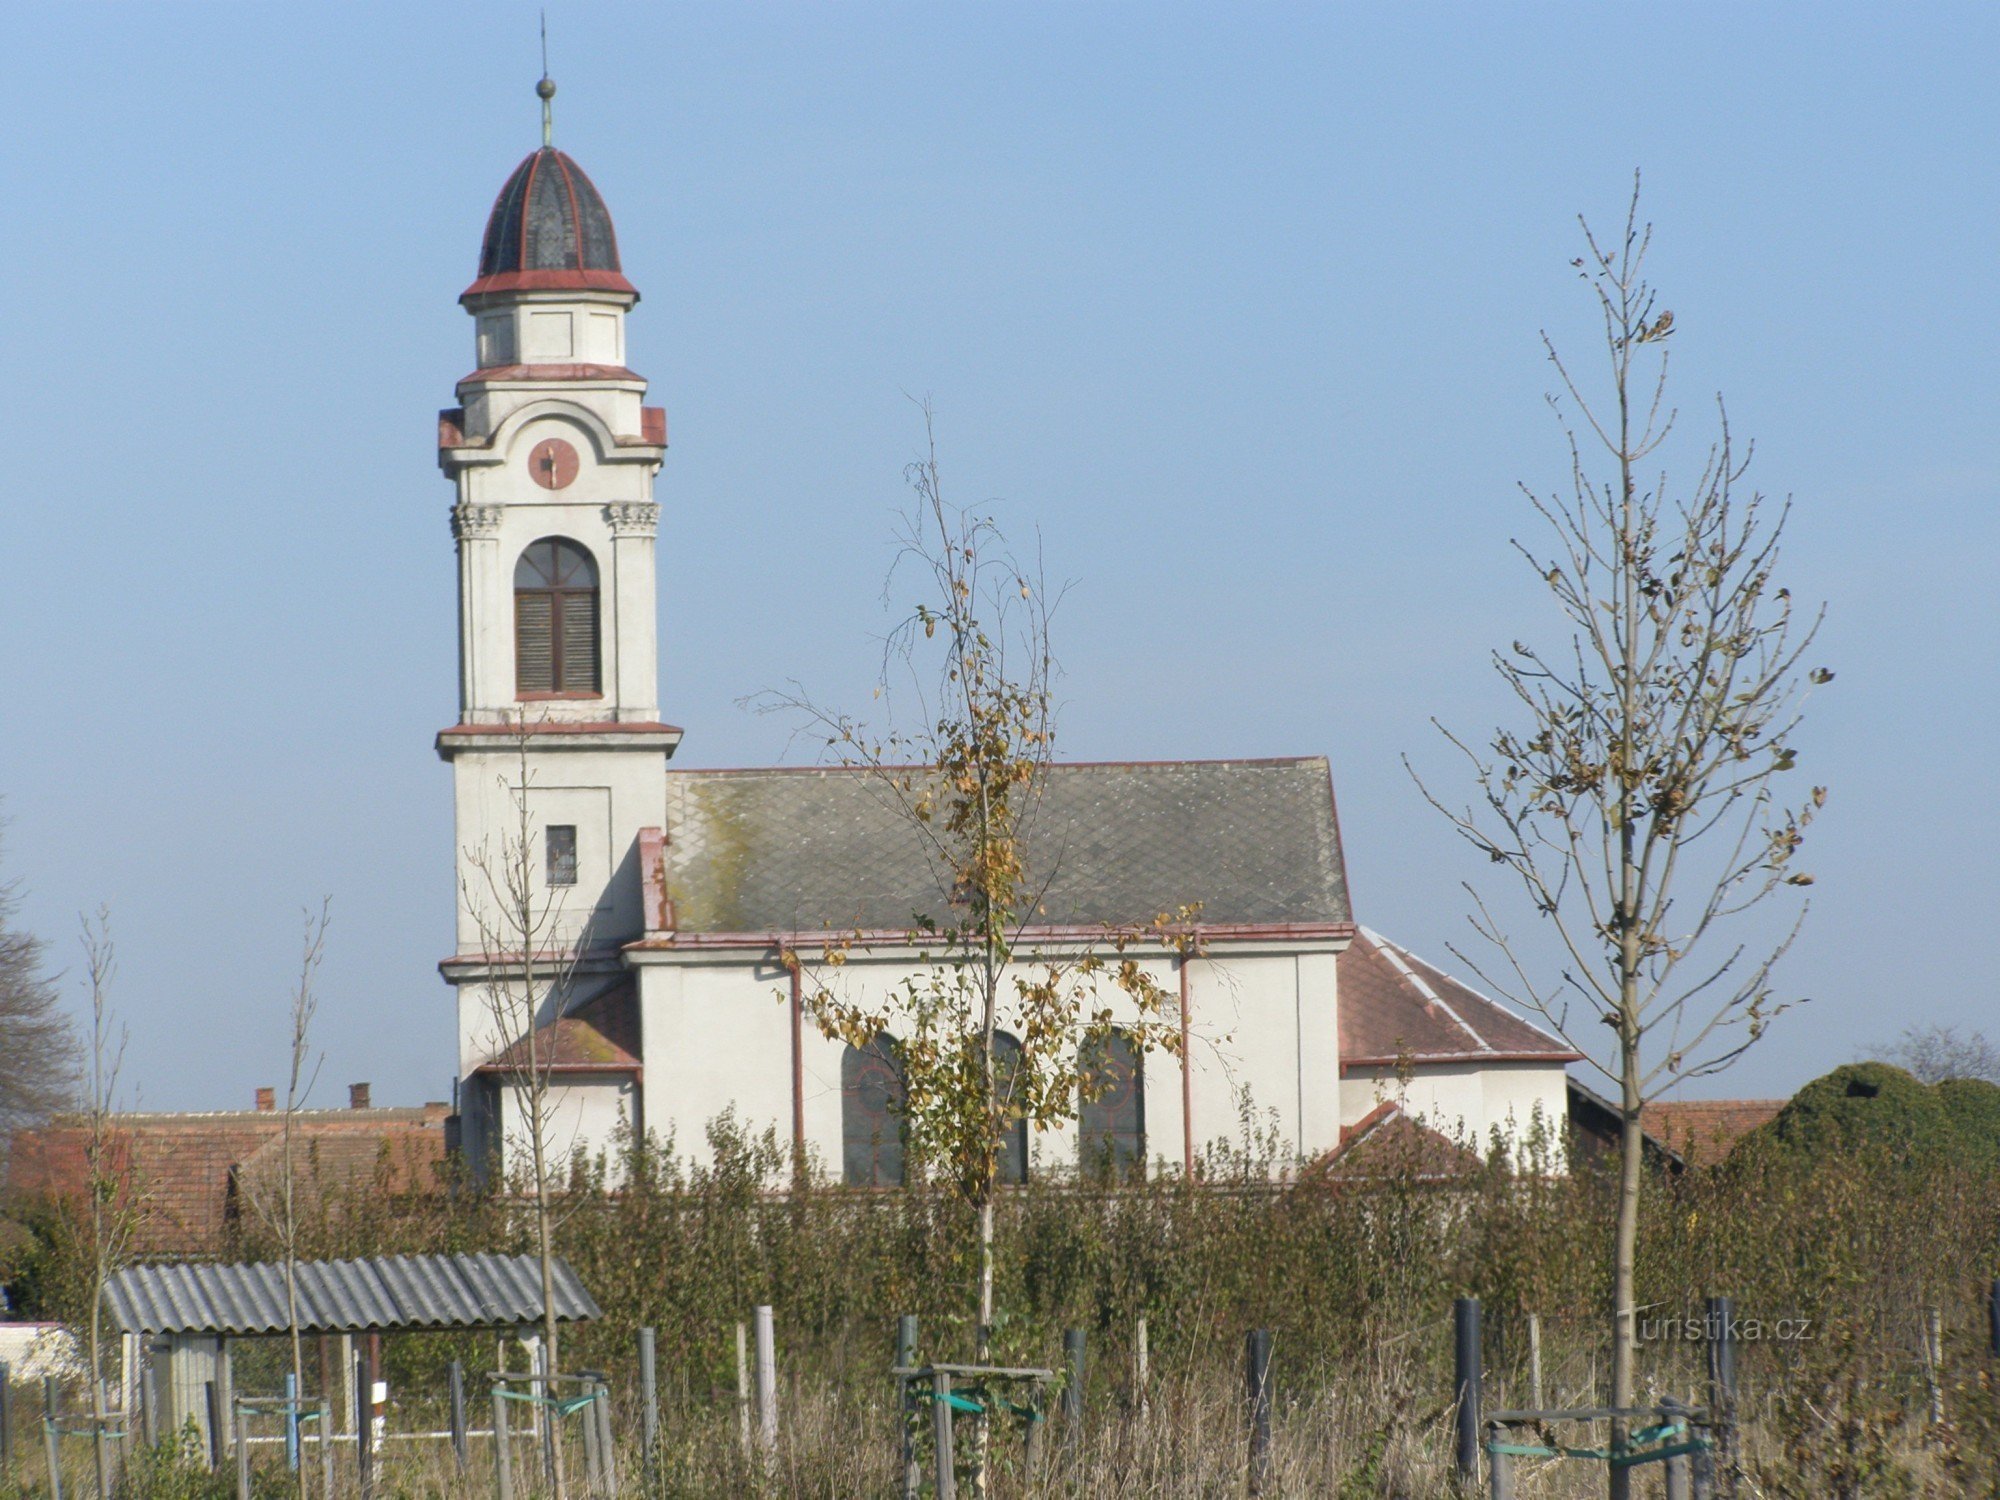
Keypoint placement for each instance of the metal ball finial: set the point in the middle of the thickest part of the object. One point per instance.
(546, 89)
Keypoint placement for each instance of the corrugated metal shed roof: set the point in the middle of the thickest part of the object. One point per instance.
(345, 1296)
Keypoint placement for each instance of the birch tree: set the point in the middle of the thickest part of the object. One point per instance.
(971, 659)
(1641, 797)
(36, 1038)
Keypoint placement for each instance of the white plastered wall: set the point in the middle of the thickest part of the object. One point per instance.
(1466, 1100)
(718, 1036)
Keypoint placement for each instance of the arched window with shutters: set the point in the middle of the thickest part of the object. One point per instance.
(1112, 1124)
(555, 621)
(871, 1121)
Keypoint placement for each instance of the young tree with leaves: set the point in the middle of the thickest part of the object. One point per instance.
(972, 653)
(113, 1204)
(1638, 800)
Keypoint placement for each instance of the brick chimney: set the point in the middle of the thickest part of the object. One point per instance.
(267, 1101)
(357, 1096)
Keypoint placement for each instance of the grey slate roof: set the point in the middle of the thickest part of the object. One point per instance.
(344, 1296)
(828, 849)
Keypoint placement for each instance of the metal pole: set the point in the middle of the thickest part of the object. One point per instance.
(906, 1387)
(649, 1411)
(503, 1463)
(149, 1396)
(458, 1414)
(1992, 1320)
(241, 1424)
(947, 1472)
(291, 1422)
(767, 1383)
(50, 1438)
(1257, 1382)
(1465, 1384)
(6, 1417)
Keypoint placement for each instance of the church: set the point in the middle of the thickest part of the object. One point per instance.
(651, 905)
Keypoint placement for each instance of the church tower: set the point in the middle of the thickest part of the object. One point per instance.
(558, 754)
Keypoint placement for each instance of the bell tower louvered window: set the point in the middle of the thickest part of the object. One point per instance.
(555, 621)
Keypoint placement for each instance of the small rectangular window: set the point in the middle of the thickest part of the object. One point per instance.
(562, 853)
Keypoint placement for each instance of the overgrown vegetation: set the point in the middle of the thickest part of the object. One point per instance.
(1855, 1239)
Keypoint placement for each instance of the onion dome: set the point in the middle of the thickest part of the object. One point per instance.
(549, 231)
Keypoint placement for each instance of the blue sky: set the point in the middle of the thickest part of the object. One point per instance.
(1237, 305)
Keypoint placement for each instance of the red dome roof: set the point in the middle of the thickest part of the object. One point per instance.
(549, 231)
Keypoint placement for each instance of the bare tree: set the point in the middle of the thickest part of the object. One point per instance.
(973, 657)
(280, 1210)
(36, 1038)
(1637, 800)
(1934, 1053)
(530, 959)
(112, 1203)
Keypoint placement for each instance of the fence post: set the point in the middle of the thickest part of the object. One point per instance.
(503, 1460)
(1140, 1372)
(1257, 1380)
(767, 1383)
(364, 1427)
(50, 1438)
(326, 1448)
(240, 1424)
(649, 1412)
(906, 1390)
(6, 1417)
(1499, 1466)
(1721, 1347)
(458, 1414)
(1072, 1396)
(743, 1388)
(1535, 1361)
(1934, 1362)
(947, 1472)
(593, 1452)
(1465, 1384)
(149, 1395)
(1992, 1320)
(1676, 1469)
(602, 1411)
(218, 1444)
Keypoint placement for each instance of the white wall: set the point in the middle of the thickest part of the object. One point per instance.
(1467, 1100)
(718, 1034)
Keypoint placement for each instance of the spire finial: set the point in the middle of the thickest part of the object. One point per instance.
(546, 89)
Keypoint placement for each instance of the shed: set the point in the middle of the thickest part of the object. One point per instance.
(187, 1313)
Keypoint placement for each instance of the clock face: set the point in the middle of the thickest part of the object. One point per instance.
(553, 463)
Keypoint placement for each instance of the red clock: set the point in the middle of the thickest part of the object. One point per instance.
(552, 462)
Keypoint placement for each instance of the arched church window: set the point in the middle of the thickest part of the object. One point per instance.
(871, 1122)
(1112, 1122)
(1012, 1164)
(555, 620)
